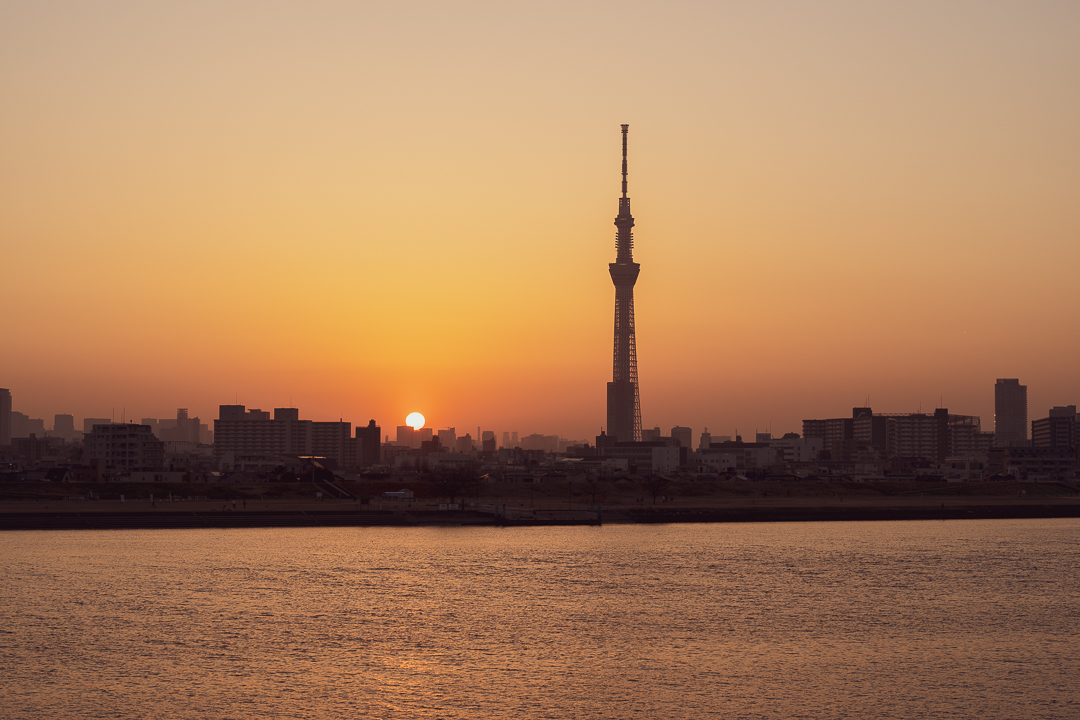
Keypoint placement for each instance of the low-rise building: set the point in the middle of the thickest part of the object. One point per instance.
(1039, 463)
(641, 458)
(735, 455)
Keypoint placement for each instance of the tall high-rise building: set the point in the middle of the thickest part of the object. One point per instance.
(20, 425)
(367, 445)
(334, 440)
(64, 427)
(406, 436)
(448, 438)
(5, 417)
(1010, 412)
(623, 400)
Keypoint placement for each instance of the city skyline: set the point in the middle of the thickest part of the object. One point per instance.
(360, 214)
(1010, 422)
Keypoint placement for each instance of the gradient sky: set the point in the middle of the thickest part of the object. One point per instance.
(364, 209)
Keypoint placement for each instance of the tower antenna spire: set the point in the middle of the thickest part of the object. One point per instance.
(625, 131)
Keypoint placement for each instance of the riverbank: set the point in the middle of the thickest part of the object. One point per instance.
(74, 515)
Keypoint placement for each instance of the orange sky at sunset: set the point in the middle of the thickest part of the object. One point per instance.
(365, 209)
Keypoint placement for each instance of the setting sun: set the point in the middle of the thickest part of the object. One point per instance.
(415, 420)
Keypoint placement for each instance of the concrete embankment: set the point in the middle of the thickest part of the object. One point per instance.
(173, 519)
(855, 512)
(147, 519)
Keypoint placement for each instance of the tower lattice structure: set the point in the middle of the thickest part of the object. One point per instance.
(623, 400)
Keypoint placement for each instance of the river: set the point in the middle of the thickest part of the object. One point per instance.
(930, 619)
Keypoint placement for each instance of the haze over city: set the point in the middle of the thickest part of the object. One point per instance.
(540, 360)
(365, 211)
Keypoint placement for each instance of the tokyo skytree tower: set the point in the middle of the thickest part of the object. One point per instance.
(623, 402)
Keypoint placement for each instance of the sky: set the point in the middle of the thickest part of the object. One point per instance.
(364, 209)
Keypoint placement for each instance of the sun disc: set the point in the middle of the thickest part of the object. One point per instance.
(415, 420)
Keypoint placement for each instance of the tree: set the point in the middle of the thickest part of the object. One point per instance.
(654, 485)
(592, 482)
(455, 480)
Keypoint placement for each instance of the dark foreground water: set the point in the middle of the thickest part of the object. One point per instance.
(826, 620)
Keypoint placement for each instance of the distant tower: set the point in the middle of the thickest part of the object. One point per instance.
(623, 401)
(1010, 412)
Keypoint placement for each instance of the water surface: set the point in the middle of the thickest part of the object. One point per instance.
(816, 620)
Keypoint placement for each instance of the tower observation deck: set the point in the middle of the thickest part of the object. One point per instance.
(623, 402)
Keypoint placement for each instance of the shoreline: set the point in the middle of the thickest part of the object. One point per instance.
(67, 515)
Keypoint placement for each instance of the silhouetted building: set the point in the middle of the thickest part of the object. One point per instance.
(252, 432)
(183, 429)
(23, 425)
(1067, 411)
(918, 435)
(1056, 431)
(683, 435)
(896, 435)
(623, 399)
(736, 455)
(183, 432)
(34, 451)
(707, 439)
(487, 441)
(967, 439)
(5, 417)
(794, 449)
(411, 438)
(1036, 463)
(837, 435)
(448, 438)
(407, 437)
(868, 429)
(368, 445)
(1010, 412)
(333, 440)
(641, 457)
(544, 443)
(89, 423)
(64, 427)
(125, 447)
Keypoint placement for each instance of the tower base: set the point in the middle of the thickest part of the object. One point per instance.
(621, 409)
